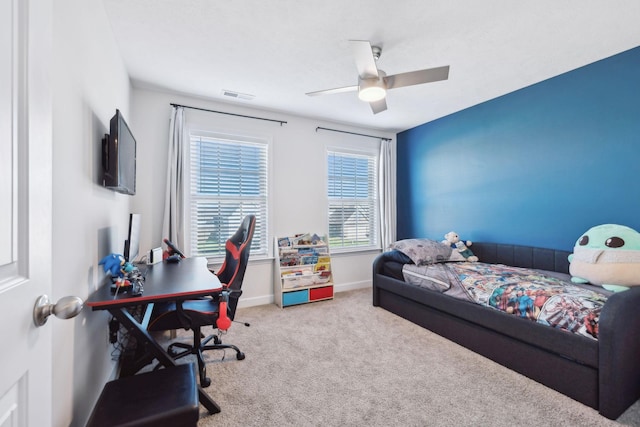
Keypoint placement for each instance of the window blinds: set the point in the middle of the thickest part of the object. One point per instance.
(228, 180)
(352, 194)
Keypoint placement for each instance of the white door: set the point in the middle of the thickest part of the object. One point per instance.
(25, 210)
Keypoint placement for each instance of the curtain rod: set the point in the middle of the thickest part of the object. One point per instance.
(230, 114)
(353, 133)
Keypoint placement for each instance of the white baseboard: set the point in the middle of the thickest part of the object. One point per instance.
(252, 302)
(352, 286)
(269, 299)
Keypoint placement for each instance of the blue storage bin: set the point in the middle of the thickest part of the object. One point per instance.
(295, 297)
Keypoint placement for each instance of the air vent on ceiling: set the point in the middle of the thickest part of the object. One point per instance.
(237, 95)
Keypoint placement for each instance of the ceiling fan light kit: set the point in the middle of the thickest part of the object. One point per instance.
(373, 83)
(371, 90)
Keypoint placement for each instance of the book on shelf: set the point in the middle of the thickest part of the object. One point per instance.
(307, 239)
(326, 259)
(283, 242)
(289, 260)
(303, 270)
(322, 266)
(308, 259)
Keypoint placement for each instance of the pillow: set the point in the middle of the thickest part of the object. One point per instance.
(397, 256)
(426, 251)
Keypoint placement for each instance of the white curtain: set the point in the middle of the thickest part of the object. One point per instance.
(173, 219)
(387, 196)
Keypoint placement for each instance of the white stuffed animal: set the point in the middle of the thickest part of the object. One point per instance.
(452, 239)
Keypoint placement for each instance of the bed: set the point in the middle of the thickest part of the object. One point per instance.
(599, 368)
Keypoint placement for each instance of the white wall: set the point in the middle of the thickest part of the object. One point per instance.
(298, 177)
(89, 222)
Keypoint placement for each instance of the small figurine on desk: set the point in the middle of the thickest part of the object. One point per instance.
(119, 269)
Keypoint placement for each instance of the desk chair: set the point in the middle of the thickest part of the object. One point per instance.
(217, 311)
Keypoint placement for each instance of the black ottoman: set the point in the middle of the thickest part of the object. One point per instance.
(166, 397)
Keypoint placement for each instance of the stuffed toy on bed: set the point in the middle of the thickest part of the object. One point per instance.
(607, 255)
(462, 246)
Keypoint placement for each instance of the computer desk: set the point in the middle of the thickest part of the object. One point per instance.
(164, 282)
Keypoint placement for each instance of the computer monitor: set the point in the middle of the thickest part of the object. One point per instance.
(132, 244)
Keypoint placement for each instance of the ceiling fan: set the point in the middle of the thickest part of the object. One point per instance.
(373, 83)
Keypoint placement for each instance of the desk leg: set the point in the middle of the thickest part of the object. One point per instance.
(158, 352)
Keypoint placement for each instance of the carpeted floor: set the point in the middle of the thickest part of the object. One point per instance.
(346, 363)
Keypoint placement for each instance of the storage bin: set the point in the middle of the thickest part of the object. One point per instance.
(295, 297)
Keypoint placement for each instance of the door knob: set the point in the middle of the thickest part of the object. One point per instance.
(65, 308)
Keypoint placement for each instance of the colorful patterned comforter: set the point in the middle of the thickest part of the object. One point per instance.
(528, 294)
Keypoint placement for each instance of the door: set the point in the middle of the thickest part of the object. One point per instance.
(25, 210)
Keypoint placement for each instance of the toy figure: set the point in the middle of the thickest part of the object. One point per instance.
(117, 267)
(452, 239)
(607, 255)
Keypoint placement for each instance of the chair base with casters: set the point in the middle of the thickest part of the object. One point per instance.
(200, 345)
(199, 313)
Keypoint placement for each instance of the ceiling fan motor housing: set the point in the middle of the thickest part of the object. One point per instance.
(376, 51)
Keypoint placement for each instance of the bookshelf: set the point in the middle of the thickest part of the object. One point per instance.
(303, 269)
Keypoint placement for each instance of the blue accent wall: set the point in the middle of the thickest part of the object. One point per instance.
(538, 166)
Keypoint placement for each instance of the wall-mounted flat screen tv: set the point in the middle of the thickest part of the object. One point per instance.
(119, 157)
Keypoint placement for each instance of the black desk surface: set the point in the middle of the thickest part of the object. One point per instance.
(189, 278)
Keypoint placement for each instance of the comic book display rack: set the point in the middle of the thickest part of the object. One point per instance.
(303, 269)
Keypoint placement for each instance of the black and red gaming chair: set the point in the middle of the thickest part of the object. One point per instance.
(217, 311)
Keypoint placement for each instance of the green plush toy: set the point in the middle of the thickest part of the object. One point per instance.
(607, 255)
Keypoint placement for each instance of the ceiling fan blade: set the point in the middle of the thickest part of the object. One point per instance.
(378, 106)
(417, 77)
(365, 62)
(332, 91)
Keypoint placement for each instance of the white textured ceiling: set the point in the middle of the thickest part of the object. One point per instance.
(278, 50)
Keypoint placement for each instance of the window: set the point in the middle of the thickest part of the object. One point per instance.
(353, 200)
(228, 180)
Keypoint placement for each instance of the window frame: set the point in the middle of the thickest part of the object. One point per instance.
(373, 154)
(264, 250)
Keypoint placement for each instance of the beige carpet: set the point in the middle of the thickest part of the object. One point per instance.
(346, 363)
